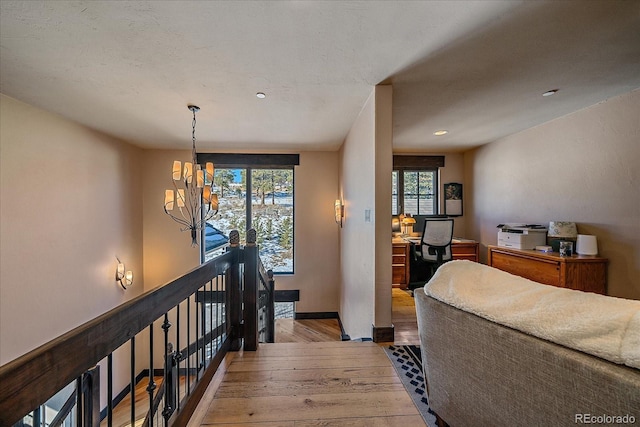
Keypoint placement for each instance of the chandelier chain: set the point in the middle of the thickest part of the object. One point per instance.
(193, 130)
(194, 197)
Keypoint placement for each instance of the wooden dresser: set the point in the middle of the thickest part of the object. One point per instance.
(582, 272)
(400, 267)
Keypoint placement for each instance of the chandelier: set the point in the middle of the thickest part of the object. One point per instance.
(192, 191)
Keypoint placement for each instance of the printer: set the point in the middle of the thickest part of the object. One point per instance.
(522, 236)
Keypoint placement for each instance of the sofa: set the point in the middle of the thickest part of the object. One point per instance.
(501, 350)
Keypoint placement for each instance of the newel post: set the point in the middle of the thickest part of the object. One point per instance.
(251, 288)
(234, 292)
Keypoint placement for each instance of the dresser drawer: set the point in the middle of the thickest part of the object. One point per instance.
(398, 274)
(399, 259)
(539, 270)
(463, 250)
(399, 249)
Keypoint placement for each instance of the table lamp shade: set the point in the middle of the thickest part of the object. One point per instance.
(586, 245)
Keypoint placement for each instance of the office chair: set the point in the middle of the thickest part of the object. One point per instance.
(436, 242)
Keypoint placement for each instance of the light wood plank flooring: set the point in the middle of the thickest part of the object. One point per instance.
(404, 318)
(308, 384)
(311, 378)
(307, 330)
(308, 378)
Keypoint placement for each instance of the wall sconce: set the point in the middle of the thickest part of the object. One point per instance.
(125, 278)
(339, 212)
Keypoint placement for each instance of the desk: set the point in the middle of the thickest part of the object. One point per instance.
(401, 248)
(582, 272)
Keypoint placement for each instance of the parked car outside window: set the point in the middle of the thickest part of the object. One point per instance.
(213, 238)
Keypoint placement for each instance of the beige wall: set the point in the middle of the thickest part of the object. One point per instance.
(317, 250)
(582, 167)
(365, 240)
(453, 171)
(70, 201)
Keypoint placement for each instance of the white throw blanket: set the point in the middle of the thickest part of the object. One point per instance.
(600, 325)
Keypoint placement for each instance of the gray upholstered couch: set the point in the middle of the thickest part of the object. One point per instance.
(482, 373)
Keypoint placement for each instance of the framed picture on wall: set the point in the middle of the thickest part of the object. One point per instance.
(453, 199)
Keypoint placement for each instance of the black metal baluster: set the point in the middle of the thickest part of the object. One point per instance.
(220, 305)
(198, 327)
(166, 376)
(110, 390)
(203, 328)
(217, 314)
(152, 385)
(178, 353)
(36, 417)
(211, 299)
(189, 345)
(80, 418)
(133, 381)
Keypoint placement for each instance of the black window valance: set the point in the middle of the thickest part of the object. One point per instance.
(420, 162)
(234, 160)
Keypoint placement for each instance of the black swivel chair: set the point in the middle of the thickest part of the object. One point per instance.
(436, 243)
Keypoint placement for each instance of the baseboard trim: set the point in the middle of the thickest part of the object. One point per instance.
(324, 315)
(383, 333)
(316, 315)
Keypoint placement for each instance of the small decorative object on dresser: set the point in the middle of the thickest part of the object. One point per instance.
(561, 231)
(586, 245)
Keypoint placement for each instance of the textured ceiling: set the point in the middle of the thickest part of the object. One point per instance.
(476, 68)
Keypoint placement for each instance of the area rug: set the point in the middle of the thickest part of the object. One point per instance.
(406, 359)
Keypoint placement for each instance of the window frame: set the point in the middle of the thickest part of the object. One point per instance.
(251, 162)
(400, 199)
(406, 163)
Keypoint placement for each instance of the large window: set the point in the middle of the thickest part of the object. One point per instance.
(254, 197)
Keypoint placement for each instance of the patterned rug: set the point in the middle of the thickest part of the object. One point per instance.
(407, 361)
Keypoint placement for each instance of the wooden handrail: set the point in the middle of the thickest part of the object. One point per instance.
(35, 377)
(31, 380)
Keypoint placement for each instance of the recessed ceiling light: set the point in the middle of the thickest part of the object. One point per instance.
(441, 132)
(550, 92)
(261, 95)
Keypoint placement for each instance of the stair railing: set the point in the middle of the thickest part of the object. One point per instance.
(180, 331)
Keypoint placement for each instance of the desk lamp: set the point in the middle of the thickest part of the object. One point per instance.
(407, 225)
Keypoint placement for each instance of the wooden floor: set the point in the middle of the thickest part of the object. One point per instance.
(311, 378)
(316, 330)
(308, 384)
(404, 318)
